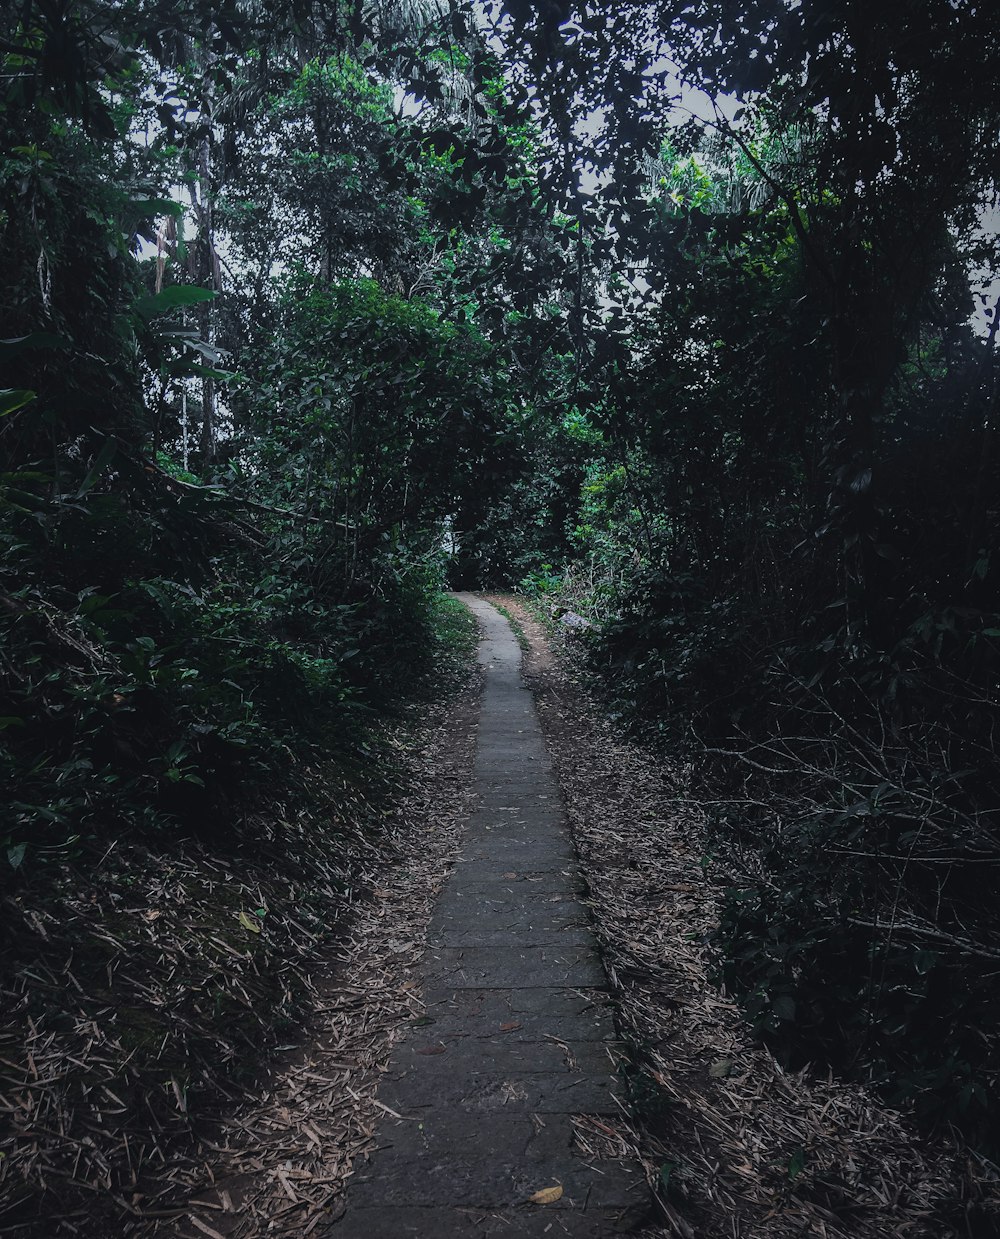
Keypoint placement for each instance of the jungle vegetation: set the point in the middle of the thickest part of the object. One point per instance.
(681, 314)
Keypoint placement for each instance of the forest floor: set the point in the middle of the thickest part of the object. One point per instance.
(139, 1003)
(278, 1163)
(739, 1148)
(733, 1147)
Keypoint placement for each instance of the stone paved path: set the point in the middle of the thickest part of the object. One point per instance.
(521, 1038)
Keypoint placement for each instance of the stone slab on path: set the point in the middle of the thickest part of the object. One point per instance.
(518, 1037)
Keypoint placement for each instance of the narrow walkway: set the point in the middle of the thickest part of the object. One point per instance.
(517, 1038)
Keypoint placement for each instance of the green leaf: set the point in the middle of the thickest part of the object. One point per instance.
(92, 602)
(666, 1170)
(14, 398)
(181, 369)
(796, 1163)
(156, 206)
(97, 469)
(15, 854)
(10, 721)
(34, 339)
(172, 298)
(784, 1007)
(249, 923)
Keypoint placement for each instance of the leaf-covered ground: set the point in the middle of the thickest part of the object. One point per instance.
(279, 1160)
(737, 1147)
(135, 1101)
(140, 1001)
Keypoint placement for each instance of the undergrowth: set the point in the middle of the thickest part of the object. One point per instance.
(857, 837)
(146, 979)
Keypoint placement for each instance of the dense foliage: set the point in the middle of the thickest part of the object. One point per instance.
(239, 400)
(782, 504)
(248, 375)
(683, 311)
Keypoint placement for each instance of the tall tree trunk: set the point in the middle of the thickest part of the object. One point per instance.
(210, 276)
(977, 507)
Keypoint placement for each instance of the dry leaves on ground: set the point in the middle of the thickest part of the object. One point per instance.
(735, 1147)
(280, 1162)
(124, 1106)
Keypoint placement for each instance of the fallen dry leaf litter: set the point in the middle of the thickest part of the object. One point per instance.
(735, 1147)
(281, 1161)
(134, 1107)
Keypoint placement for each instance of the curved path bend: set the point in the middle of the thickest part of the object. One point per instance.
(518, 1037)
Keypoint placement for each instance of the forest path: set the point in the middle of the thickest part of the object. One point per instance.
(517, 1042)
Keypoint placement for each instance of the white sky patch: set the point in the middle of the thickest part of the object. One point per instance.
(985, 282)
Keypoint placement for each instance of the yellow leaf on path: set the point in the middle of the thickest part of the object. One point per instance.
(547, 1196)
(249, 923)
